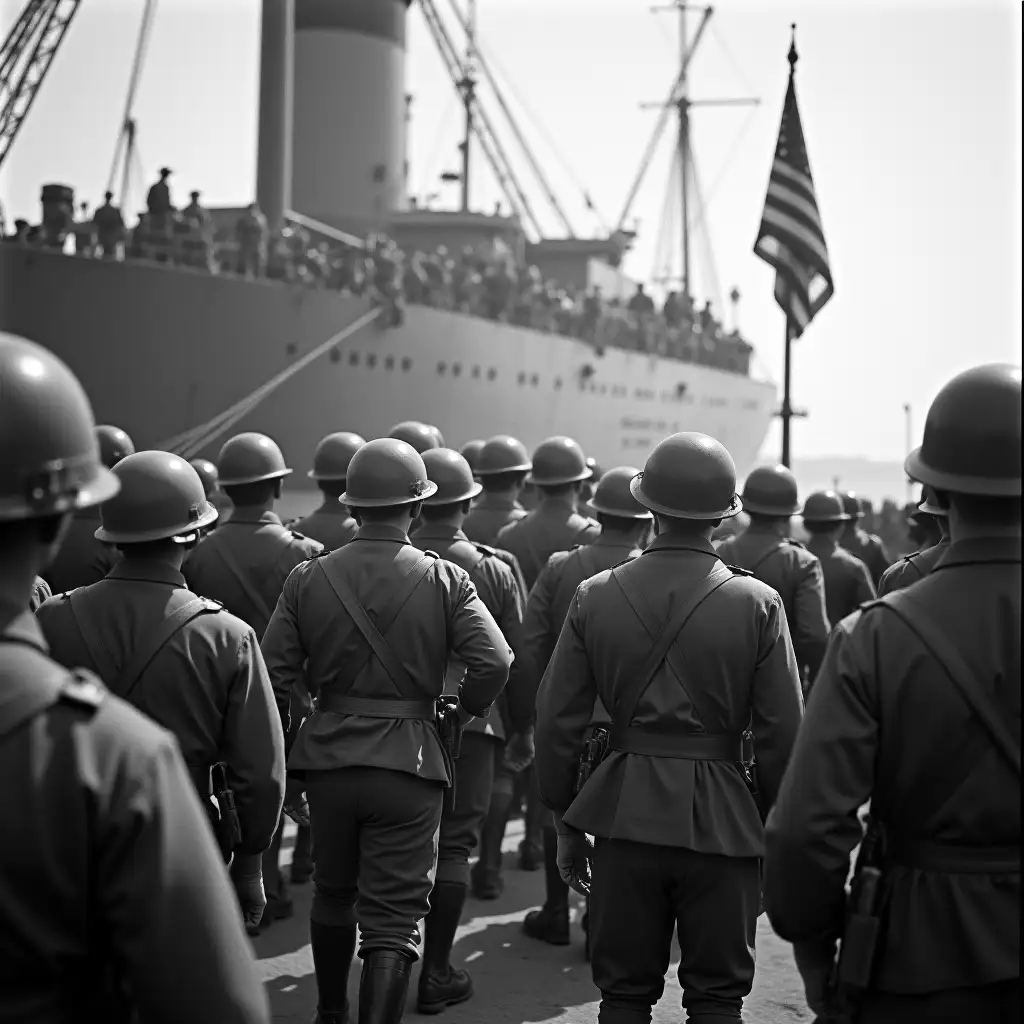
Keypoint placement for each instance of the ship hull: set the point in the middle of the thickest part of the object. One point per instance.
(161, 350)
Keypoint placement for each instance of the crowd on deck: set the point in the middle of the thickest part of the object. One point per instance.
(487, 284)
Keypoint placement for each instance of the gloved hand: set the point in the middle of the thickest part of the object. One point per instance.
(520, 751)
(815, 967)
(574, 852)
(247, 877)
(295, 805)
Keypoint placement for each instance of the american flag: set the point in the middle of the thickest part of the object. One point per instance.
(791, 237)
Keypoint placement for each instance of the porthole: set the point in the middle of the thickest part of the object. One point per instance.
(456, 369)
(521, 378)
(353, 359)
(441, 367)
(371, 360)
(335, 356)
(476, 373)
(534, 380)
(389, 362)
(492, 373)
(291, 348)
(558, 383)
(406, 364)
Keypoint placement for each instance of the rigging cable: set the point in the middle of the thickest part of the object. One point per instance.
(712, 287)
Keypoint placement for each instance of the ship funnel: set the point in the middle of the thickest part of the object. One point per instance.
(274, 157)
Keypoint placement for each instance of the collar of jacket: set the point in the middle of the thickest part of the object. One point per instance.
(22, 628)
(611, 539)
(253, 514)
(146, 570)
(980, 550)
(332, 507)
(819, 544)
(666, 542)
(380, 531)
(493, 503)
(555, 506)
(440, 531)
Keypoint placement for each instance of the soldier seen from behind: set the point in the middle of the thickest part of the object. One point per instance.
(773, 556)
(625, 531)
(422, 436)
(501, 470)
(866, 546)
(483, 756)
(917, 710)
(331, 523)
(374, 625)
(470, 451)
(916, 566)
(686, 654)
(114, 902)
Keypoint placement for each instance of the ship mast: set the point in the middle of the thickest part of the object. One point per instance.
(467, 86)
(683, 145)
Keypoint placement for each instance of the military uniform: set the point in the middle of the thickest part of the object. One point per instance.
(40, 592)
(847, 581)
(869, 549)
(796, 575)
(554, 525)
(912, 567)
(207, 685)
(330, 524)
(82, 559)
(489, 515)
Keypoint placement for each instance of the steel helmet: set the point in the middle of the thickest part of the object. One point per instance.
(420, 436)
(824, 507)
(439, 437)
(613, 497)
(688, 476)
(971, 439)
(470, 451)
(333, 454)
(453, 476)
(503, 454)
(207, 474)
(929, 505)
(114, 443)
(248, 459)
(161, 497)
(771, 491)
(851, 505)
(386, 472)
(49, 454)
(559, 460)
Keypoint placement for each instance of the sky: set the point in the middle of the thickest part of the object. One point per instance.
(911, 113)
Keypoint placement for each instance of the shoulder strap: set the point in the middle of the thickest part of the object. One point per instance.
(103, 661)
(374, 636)
(127, 678)
(768, 554)
(945, 652)
(630, 697)
(247, 586)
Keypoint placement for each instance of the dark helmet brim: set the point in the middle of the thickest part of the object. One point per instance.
(241, 481)
(558, 481)
(635, 488)
(982, 486)
(471, 492)
(183, 531)
(835, 517)
(764, 509)
(354, 501)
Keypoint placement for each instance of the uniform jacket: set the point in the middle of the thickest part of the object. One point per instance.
(796, 575)
(488, 516)
(847, 581)
(736, 648)
(552, 595)
(207, 685)
(443, 617)
(40, 592)
(263, 549)
(81, 559)
(886, 724)
(330, 524)
(499, 591)
(554, 525)
(912, 568)
(869, 549)
(110, 834)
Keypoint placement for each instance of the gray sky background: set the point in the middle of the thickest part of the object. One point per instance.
(911, 113)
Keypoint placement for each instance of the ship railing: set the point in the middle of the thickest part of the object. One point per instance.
(324, 232)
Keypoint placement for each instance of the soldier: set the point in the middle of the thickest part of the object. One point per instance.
(103, 832)
(847, 582)
(770, 501)
(243, 564)
(331, 523)
(483, 743)
(470, 451)
(866, 546)
(502, 469)
(559, 470)
(625, 529)
(678, 832)
(370, 757)
(185, 662)
(916, 566)
(82, 559)
(421, 436)
(917, 709)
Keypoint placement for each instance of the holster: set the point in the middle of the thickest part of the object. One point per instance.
(227, 826)
(449, 731)
(595, 750)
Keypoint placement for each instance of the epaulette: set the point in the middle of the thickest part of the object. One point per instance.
(81, 690)
(909, 559)
(738, 570)
(297, 535)
(793, 542)
(211, 604)
(484, 549)
(427, 551)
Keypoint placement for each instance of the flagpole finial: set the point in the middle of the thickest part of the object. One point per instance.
(792, 57)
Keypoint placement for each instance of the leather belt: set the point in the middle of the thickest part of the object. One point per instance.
(953, 858)
(685, 746)
(371, 707)
(200, 775)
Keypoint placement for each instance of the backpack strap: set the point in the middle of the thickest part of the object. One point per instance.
(245, 584)
(768, 554)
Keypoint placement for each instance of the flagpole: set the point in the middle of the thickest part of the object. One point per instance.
(787, 407)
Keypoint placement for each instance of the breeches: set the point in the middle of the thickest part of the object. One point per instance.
(640, 895)
(462, 819)
(374, 848)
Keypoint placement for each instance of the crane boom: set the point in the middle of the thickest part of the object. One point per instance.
(26, 57)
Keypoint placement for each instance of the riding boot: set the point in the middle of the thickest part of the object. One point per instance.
(551, 923)
(486, 873)
(334, 946)
(384, 986)
(440, 986)
(302, 856)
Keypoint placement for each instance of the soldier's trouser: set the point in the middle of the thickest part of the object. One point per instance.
(461, 822)
(640, 895)
(272, 880)
(374, 848)
(493, 830)
(993, 1004)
